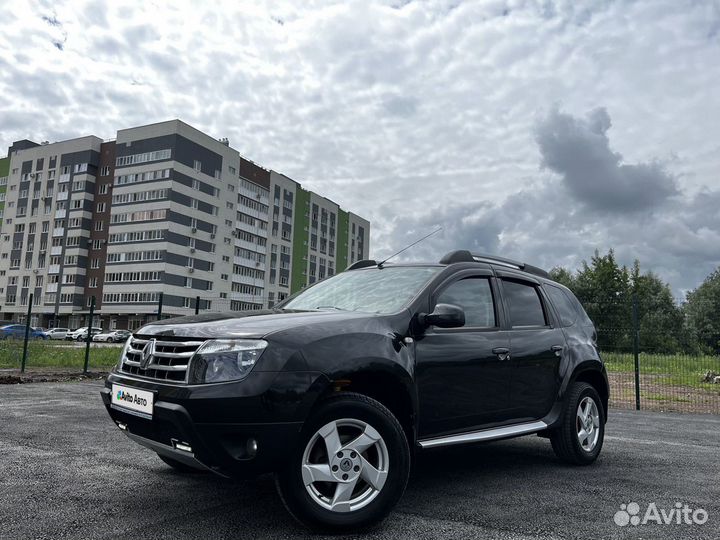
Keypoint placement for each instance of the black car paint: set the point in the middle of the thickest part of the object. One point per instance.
(451, 379)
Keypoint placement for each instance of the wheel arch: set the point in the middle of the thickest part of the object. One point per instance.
(596, 377)
(387, 386)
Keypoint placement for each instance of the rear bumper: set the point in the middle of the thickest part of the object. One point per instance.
(210, 428)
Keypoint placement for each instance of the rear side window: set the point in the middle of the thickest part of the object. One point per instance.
(523, 301)
(475, 297)
(564, 306)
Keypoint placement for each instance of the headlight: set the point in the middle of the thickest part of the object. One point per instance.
(122, 355)
(221, 360)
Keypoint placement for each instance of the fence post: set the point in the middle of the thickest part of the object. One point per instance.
(27, 333)
(89, 335)
(197, 305)
(636, 350)
(160, 303)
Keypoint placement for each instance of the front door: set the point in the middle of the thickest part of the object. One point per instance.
(463, 374)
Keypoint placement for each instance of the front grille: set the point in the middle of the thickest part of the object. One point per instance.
(169, 361)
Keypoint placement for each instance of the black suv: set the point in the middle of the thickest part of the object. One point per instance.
(336, 388)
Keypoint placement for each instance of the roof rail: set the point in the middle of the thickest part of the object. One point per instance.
(361, 264)
(466, 256)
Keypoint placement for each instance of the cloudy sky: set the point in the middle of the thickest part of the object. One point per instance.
(539, 130)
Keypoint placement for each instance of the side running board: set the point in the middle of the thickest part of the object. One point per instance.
(484, 435)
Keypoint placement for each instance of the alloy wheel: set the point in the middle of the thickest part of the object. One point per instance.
(345, 465)
(587, 423)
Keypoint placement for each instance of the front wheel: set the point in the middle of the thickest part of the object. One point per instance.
(350, 467)
(580, 437)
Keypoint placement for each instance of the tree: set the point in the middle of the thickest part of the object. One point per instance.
(563, 276)
(603, 288)
(661, 324)
(607, 290)
(702, 313)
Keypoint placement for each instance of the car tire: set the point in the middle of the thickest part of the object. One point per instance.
(180, 467)
(579, 439)
(367, 471)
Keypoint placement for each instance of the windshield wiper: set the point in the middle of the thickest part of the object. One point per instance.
(331, 307)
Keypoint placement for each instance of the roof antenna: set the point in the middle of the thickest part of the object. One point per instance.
(380, 265)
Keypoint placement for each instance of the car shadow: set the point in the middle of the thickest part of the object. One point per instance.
(441, 481)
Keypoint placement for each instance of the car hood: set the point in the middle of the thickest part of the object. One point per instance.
(244, 324)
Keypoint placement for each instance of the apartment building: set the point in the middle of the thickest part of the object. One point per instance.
(4, 171)
(164, 217)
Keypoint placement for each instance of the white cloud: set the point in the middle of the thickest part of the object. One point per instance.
(401, 111)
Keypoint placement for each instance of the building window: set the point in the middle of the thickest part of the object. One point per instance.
(159, 155)
(101, 207)
(197, 165)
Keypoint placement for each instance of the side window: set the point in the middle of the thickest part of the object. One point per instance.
(563, 304)
(474, 295)
(523, 301)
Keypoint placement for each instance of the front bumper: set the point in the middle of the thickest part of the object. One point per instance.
(235, 429)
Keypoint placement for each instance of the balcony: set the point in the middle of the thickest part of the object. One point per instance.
(56, 250)
(252, 229)
(242, 297)
(54, 269)
(51, 288)
(59, 231)
(63, 195)
(246, 280)
(250, 246)
(249, 263)
(64, 178)
(60, 214)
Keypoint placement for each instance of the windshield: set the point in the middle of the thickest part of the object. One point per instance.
(371, 290)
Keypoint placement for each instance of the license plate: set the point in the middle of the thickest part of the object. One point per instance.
(132, 401)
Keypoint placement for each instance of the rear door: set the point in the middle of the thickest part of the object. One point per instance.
(536, 345)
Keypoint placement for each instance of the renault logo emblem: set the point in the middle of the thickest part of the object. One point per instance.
(147, 353)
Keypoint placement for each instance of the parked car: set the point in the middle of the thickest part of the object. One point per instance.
(57, 333)
(336, 388)
(115, 336)
(74, 334)
(17, 331)
(84, 335)
(78, 334)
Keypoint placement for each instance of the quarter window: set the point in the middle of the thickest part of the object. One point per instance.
(524, 303)
(562, 303)
(474, 296)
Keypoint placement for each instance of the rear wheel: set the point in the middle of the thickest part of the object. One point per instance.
(580, 437)
(350, 468)
(180, 467)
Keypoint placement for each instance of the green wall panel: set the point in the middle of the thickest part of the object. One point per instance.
(301, 234)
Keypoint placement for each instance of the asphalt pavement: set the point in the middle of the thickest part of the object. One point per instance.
(66, 471)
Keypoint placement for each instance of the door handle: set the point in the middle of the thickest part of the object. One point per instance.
(557, 349)
(503, 353)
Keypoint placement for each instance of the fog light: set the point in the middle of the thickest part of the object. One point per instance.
(252, 447)
(182, 446)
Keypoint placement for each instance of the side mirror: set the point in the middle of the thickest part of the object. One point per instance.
(444, 316)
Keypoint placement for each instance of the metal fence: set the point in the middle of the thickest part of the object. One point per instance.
(653, 379)
(646, 370)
